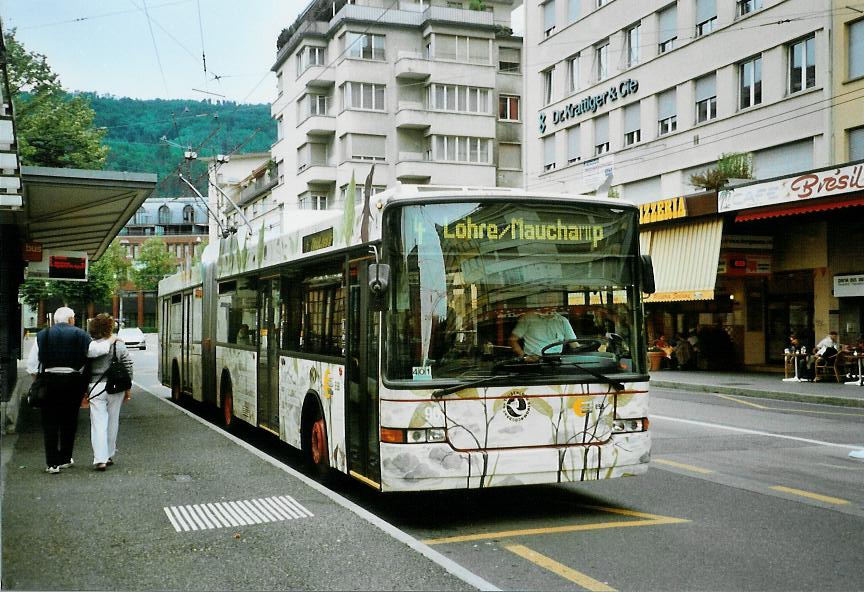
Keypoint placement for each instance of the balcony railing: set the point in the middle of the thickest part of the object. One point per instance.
(259, 187)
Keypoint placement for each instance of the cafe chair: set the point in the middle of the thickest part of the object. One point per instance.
(788, 365)
(827, 368)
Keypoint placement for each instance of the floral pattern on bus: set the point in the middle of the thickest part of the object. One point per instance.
(241, 366)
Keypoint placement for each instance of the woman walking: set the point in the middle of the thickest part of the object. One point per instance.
(105, 407)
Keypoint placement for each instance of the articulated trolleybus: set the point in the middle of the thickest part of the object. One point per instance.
(428, 338)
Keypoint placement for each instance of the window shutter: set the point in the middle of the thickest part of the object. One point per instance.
(631, 118)
(549, 15)
(668, 24)
(666, 104)
(549, 150)
(856, 144)
(573, 147)
(705, 10)
(856, 49)
(783, 160)
(705, 87)
(601, 130)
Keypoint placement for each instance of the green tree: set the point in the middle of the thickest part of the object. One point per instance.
(54, 128)
(153, 264)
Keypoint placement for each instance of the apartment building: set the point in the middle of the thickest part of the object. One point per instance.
(641, 98)
(426, 91)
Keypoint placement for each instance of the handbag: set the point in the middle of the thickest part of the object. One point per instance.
(116, 376)
(37, 396)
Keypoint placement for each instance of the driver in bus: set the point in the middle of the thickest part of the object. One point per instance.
(540, 327)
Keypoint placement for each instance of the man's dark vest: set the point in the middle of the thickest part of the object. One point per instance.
(63, 345)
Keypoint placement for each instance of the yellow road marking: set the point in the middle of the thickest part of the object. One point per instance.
(728, 398)
(816, 496)
(574, 576)
(647, 520)
(672, 463)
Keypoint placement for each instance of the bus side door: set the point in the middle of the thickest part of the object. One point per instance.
(361, 413)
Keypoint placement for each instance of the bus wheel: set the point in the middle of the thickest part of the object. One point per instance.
(175, 384)
(315, 448)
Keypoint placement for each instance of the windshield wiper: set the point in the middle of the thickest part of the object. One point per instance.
(618, 386)
(471, 383)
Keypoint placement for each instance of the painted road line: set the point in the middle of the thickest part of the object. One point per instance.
(240, 513)
(815, 496)
(728, 398)
(720, 426)
(560, 569)
(677, 465)
(646, 520)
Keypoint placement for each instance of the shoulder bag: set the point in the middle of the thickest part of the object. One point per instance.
(38, 393)
(116, 376)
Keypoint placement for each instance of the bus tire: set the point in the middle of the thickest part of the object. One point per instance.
(176, 389)
(316, 451)
(226, 406)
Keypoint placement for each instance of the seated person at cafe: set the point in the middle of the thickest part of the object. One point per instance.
(538, 328)
(829, 346)
(806, 359)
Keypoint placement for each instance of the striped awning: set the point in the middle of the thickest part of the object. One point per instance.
(807, 208)
(685, 260)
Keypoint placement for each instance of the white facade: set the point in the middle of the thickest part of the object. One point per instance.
(247, 181)
(412, 88)
(670, 86)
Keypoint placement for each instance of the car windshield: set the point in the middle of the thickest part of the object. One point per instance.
(482, 288)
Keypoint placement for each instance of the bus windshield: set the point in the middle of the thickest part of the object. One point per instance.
(480, 289)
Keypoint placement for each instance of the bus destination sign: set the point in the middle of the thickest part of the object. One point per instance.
(318, 240)
(519, 229)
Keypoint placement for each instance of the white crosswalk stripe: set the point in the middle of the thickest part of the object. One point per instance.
(235, 513)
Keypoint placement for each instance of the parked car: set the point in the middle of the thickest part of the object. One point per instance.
(133, 337)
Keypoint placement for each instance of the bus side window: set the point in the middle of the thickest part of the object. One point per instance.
(238, 311)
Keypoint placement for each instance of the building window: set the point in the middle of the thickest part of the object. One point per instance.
(802, 64)
(508, 108)
(632, 125)
(549, 18)
(460, 99)
(141, 216)
(706, 98)
(358, 192)
(601, 57)
(312, 154)
(364, 46)
(573, 74)
(189, 214)
(668, 32)
(855, 36)
(366, 147)
(461, 49)
(509, 59)
(633, 36)
(549, 153)
(573, 10)
(602, 3)
(460, 149)
(313, 201)
(547, 85)
(362, 95)
(317, 104)
(856, 143)
(279, 84)
(280, 171)
(750, 83)
(748, 6)
(164, 215)
(510, 156)
(573, 145)
(666, 111)
(601, 135)
(706, 16)
(310, 56)
(279, 128)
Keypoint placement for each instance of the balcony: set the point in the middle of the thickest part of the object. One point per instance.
(317, 173)
(412, 66)
(412, 15)
(411, 168)
(261, 186)
(412, 115)
(317, 125)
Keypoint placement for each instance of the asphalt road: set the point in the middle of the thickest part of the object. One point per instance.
(743, 494)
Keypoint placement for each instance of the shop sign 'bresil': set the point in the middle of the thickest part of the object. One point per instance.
(825, 183)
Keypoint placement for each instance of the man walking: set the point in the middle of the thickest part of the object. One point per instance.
(62, 351)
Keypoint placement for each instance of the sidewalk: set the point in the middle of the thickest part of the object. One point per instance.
(128, 528)
(757, 384)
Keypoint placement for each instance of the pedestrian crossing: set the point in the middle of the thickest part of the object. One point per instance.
(238, 513)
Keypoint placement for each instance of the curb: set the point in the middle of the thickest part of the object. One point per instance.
(743, 392)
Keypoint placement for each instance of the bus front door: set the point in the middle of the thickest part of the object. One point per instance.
(270, 319)
(186, 349)
(362, 380)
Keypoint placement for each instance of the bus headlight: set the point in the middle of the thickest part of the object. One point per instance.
(436, 435)
(625, 426)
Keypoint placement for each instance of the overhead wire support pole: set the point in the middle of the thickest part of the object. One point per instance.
(225, 233)
(236, 207)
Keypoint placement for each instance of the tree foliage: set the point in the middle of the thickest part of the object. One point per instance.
(153, 264)
(55, 129)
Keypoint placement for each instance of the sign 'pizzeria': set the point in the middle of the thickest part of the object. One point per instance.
(660, 211)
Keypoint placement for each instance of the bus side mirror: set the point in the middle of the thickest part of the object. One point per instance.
(379, 282)
(648, 286)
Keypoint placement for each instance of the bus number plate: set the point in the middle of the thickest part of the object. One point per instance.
(421, 372)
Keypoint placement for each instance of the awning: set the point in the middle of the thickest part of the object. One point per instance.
(80, 210)
(787, 210)
(685, 260)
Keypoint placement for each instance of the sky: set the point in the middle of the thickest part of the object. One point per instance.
(110, 46)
